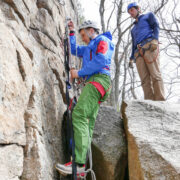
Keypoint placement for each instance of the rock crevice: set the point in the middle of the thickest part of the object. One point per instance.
(152, 130)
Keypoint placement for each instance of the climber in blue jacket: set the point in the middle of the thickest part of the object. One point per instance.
(147, 27)
(96, 61)
(96, 56)
(145, 52)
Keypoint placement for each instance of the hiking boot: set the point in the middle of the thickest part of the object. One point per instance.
(66, 169)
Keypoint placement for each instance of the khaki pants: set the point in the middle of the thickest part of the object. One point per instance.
(149, 72)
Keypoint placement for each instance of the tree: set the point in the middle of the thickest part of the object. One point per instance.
(119, 32)
(114, 17)
(170, 32)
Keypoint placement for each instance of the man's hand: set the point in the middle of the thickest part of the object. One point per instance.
(71, 26)
(131, 63)
(74, 74)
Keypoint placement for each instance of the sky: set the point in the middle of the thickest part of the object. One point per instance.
(91, 10)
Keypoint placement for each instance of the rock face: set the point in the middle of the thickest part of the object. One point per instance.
(11, 159)
(109, 146)
(32, 88)
(153, 131)
(32, 103)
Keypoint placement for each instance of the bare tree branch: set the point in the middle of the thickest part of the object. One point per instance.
(101, 11)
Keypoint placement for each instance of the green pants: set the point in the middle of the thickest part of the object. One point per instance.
(85, 113)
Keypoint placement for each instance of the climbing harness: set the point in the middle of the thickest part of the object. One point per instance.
(143, 50)
(100, 89)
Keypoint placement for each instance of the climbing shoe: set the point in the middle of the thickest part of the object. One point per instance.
(66, 169)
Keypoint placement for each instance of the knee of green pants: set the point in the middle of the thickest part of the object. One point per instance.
(81, 148)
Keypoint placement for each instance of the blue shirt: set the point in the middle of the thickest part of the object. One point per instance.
(146, 27)
(96, 55)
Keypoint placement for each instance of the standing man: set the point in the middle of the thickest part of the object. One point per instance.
(96, 57)
(145, 52)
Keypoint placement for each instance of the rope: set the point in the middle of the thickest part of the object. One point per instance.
(90, 169)
(91, 165)
(90, 162)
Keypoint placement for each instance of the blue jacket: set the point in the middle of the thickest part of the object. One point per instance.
(146, 27)
(96, 55)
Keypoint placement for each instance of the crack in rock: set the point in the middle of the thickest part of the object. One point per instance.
(20, 65)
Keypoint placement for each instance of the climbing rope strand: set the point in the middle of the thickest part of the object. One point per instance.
(90, 163)
(90, 160)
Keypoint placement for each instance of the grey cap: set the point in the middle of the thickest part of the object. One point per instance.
(89, 24)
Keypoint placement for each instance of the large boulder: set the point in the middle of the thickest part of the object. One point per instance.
(109, 145)
(153, 133)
